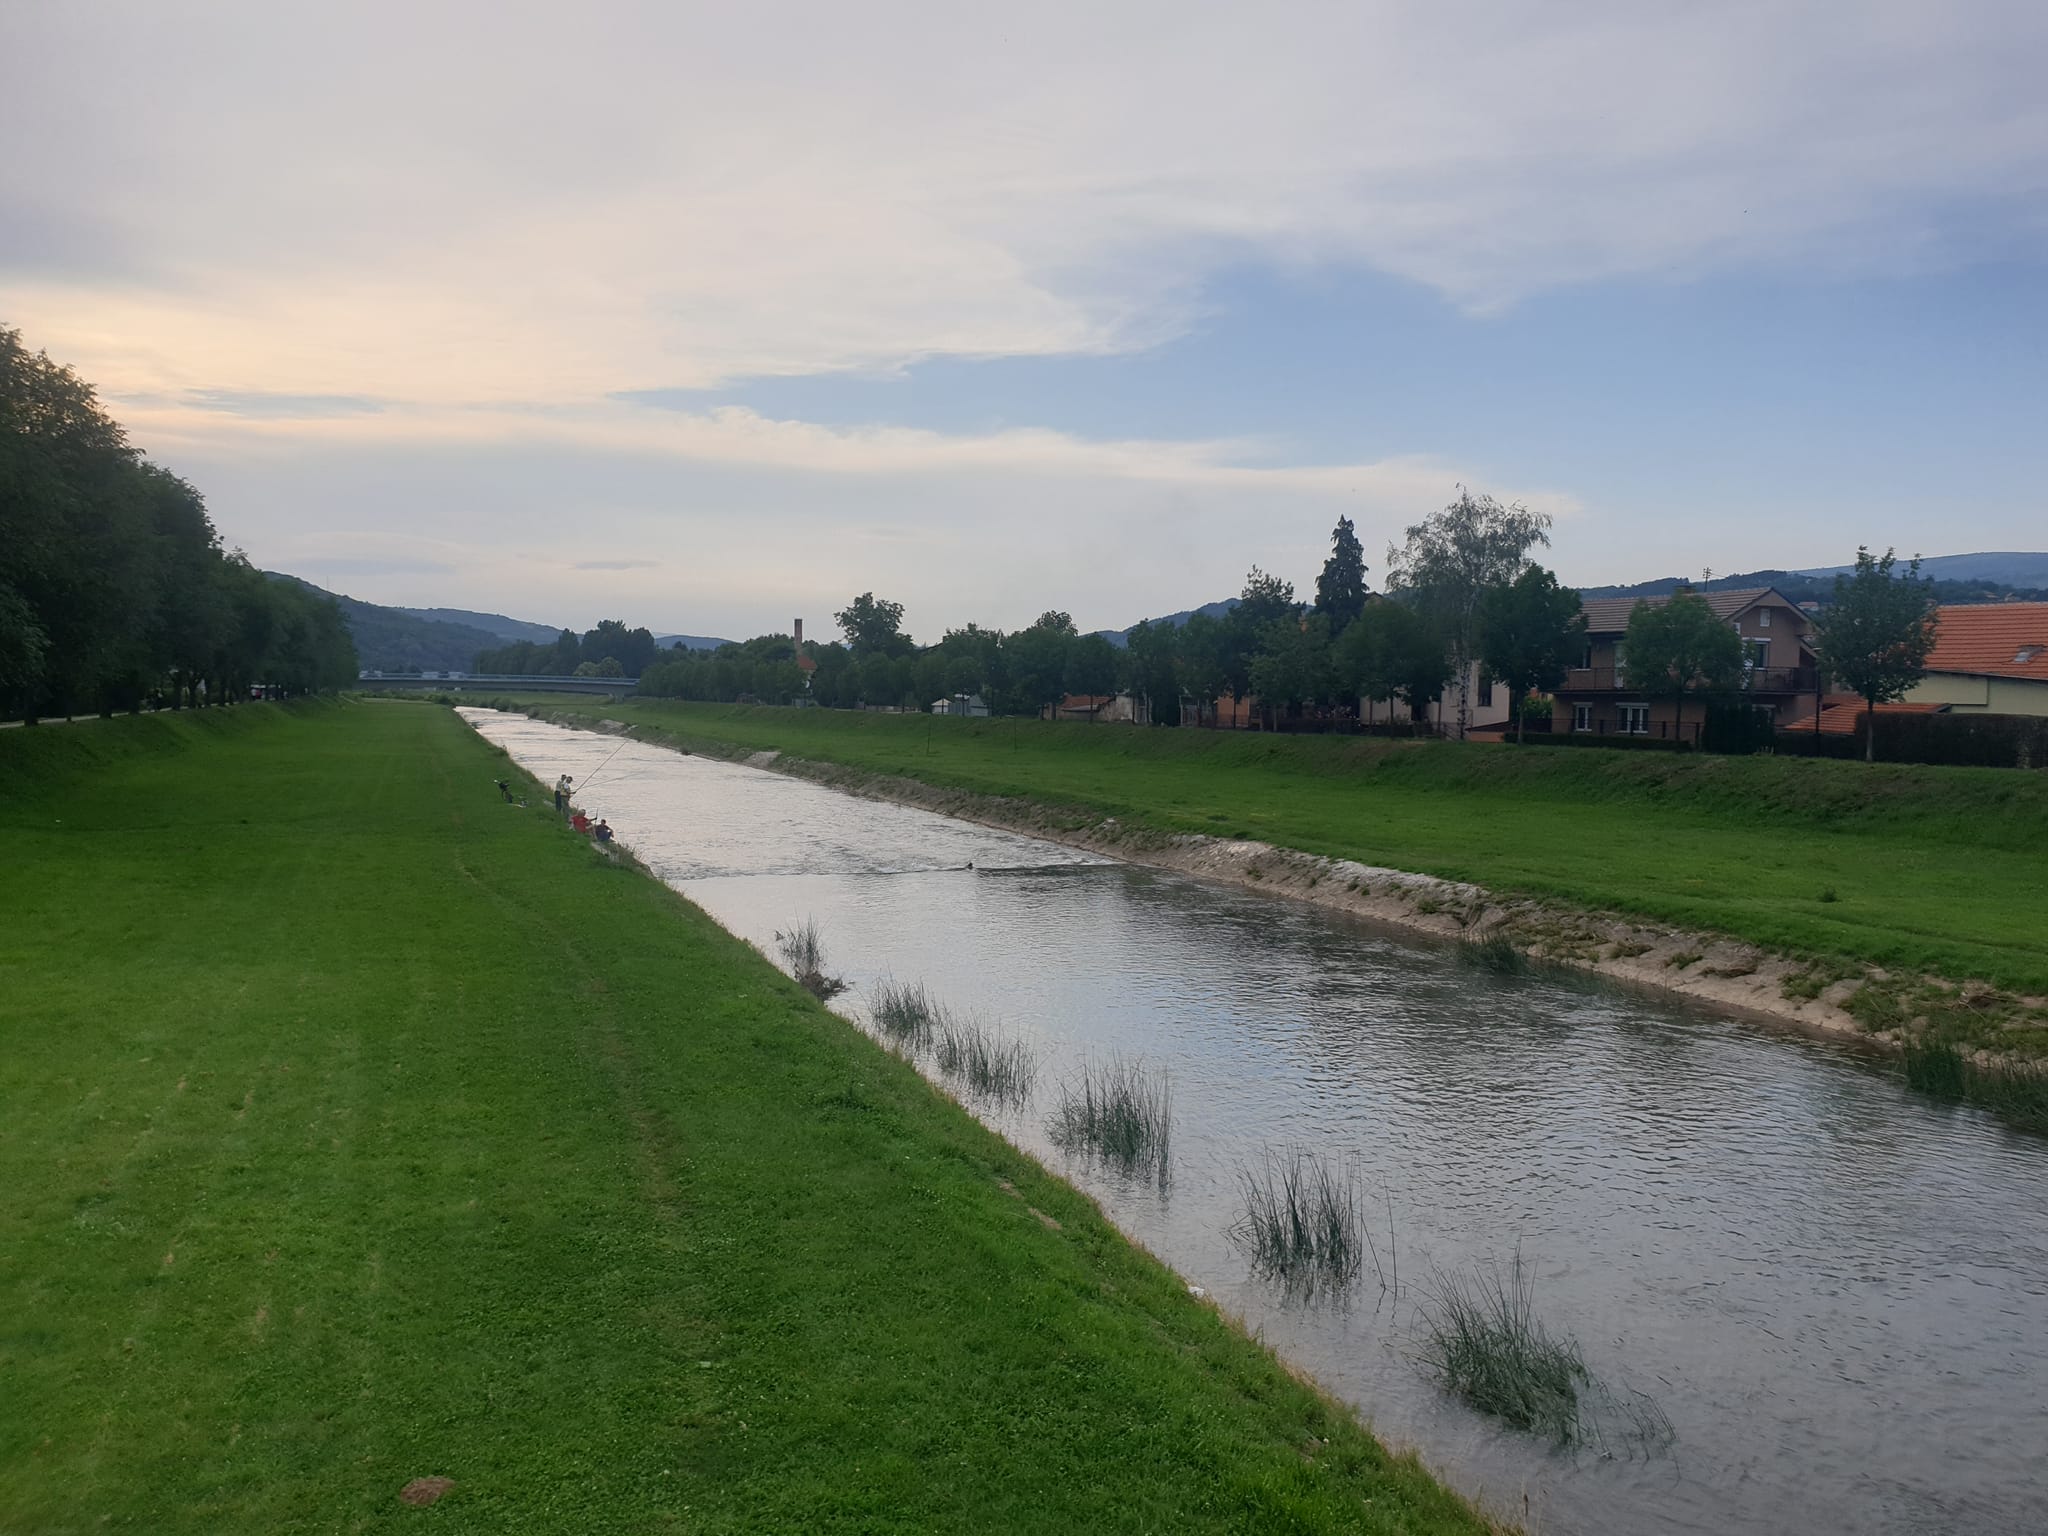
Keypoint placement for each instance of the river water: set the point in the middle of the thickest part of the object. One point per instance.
(1836, 1293)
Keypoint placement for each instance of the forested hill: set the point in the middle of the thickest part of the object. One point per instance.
(392, 640)
(1819, 586)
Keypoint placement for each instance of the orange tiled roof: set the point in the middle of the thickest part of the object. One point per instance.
(1838, 717)
(1992, 640)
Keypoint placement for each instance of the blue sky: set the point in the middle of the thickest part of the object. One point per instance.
(1092, 307)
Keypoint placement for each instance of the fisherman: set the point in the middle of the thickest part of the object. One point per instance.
(562, 794)
(602, 831)
(580, 822)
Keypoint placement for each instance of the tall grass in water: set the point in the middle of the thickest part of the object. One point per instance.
(1117, 1113)
(1943, 1069)
(804, 953)
(1303, 1222)
(1496, 953)
(1486, 1344)
(990, 1067)
(906, 1013)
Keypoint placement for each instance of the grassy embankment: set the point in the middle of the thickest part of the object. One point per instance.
(1936, 870)
(356, 1127)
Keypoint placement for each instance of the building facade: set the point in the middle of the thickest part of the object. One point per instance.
(1779, 675)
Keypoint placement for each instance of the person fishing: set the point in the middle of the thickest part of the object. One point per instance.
(562, 794)
(602, 831)
(580, 822)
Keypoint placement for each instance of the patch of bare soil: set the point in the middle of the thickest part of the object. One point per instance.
(422, 1491)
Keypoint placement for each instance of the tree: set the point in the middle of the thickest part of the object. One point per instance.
(1091, 665)
(1151, 654)
(873, 626)
(1036, 659)
(1265, 601)
(1294, 667)
(1340, 590)
(1875, 637)
(1451, 561)
(1393, 650)
(1528, 634)
(1681, 647)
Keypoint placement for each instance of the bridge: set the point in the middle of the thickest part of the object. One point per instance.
(493, 682)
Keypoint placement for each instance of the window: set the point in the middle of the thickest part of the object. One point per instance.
(1586, 661)
(1635, 719)
(1763, 618)
(1582, 717)
(1485, 692)
(1756, 653)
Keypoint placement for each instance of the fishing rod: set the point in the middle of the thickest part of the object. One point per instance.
(600, 768)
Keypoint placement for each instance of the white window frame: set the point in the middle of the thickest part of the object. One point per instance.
(1582, 718)
(1763, 618)
(1640, 713)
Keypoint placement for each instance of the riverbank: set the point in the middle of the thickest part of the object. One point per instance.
(1628, 855)
(363, 1130)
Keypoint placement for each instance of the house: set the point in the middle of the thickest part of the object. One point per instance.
(1489, 706)
(1778, 674)
(968, 706)
(1988, 659)
(1102, 708)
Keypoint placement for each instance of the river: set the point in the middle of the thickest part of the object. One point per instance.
(1837, 1293)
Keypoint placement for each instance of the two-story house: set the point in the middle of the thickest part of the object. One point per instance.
(1778, 675)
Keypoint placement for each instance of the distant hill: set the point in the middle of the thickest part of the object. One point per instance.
(1122, 637)
(2000, 568)
(396, 640)
(688, 642)
(491, 623)
(1987, 578)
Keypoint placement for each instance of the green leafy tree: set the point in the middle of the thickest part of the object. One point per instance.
(1294, 668)
(1036, 659)
(1393, 651)
(1264, 602)
(873, 626)
(1529, 631)
(1875, 638)
(1091, 665)
(1340, 590)
(1678, 648)
(1151, 656)
(1452, 560)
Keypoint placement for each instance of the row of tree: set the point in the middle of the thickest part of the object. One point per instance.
(115, 590)
(610, 650)
(1464, 600)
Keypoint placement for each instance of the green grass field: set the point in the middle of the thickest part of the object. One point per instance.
(360, 1128)
(1936, 869)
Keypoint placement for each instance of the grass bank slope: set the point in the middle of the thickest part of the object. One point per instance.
(1936, 869)
(357, 1128)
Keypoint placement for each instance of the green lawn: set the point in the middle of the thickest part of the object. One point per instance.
(356, 1127)
(1940, 869)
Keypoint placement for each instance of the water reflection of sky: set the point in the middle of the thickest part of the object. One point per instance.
(1839, 1294)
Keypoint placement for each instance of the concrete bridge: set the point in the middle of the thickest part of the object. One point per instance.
(494, 682)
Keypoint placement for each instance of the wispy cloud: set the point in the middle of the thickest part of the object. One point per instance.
(616, 565)
(714, 193)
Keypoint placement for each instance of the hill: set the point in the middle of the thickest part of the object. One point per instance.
(689, 642)
(1956, 578)
(491, 623)
(1122, 637)
(395, 640)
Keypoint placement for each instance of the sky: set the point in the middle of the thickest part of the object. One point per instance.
(710, 316)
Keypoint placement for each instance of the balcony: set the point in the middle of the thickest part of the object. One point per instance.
(1767, 680)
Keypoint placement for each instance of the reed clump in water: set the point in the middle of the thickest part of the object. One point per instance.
(1486, 1344)
(1496, 953)
(803, 951)
(1944, 1069)
(906, 1013)
(990, 1066)
(1119, 1113)
(1303, 1221)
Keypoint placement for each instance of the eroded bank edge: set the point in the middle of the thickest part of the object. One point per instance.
(1828, 997)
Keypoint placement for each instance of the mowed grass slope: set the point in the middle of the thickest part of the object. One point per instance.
(356, 1127)
(1940, 869)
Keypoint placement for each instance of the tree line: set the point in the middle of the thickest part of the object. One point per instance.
(1461, 589)
(116, 591)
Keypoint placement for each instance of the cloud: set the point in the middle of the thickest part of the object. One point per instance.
(616, 565)
(533, 204)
